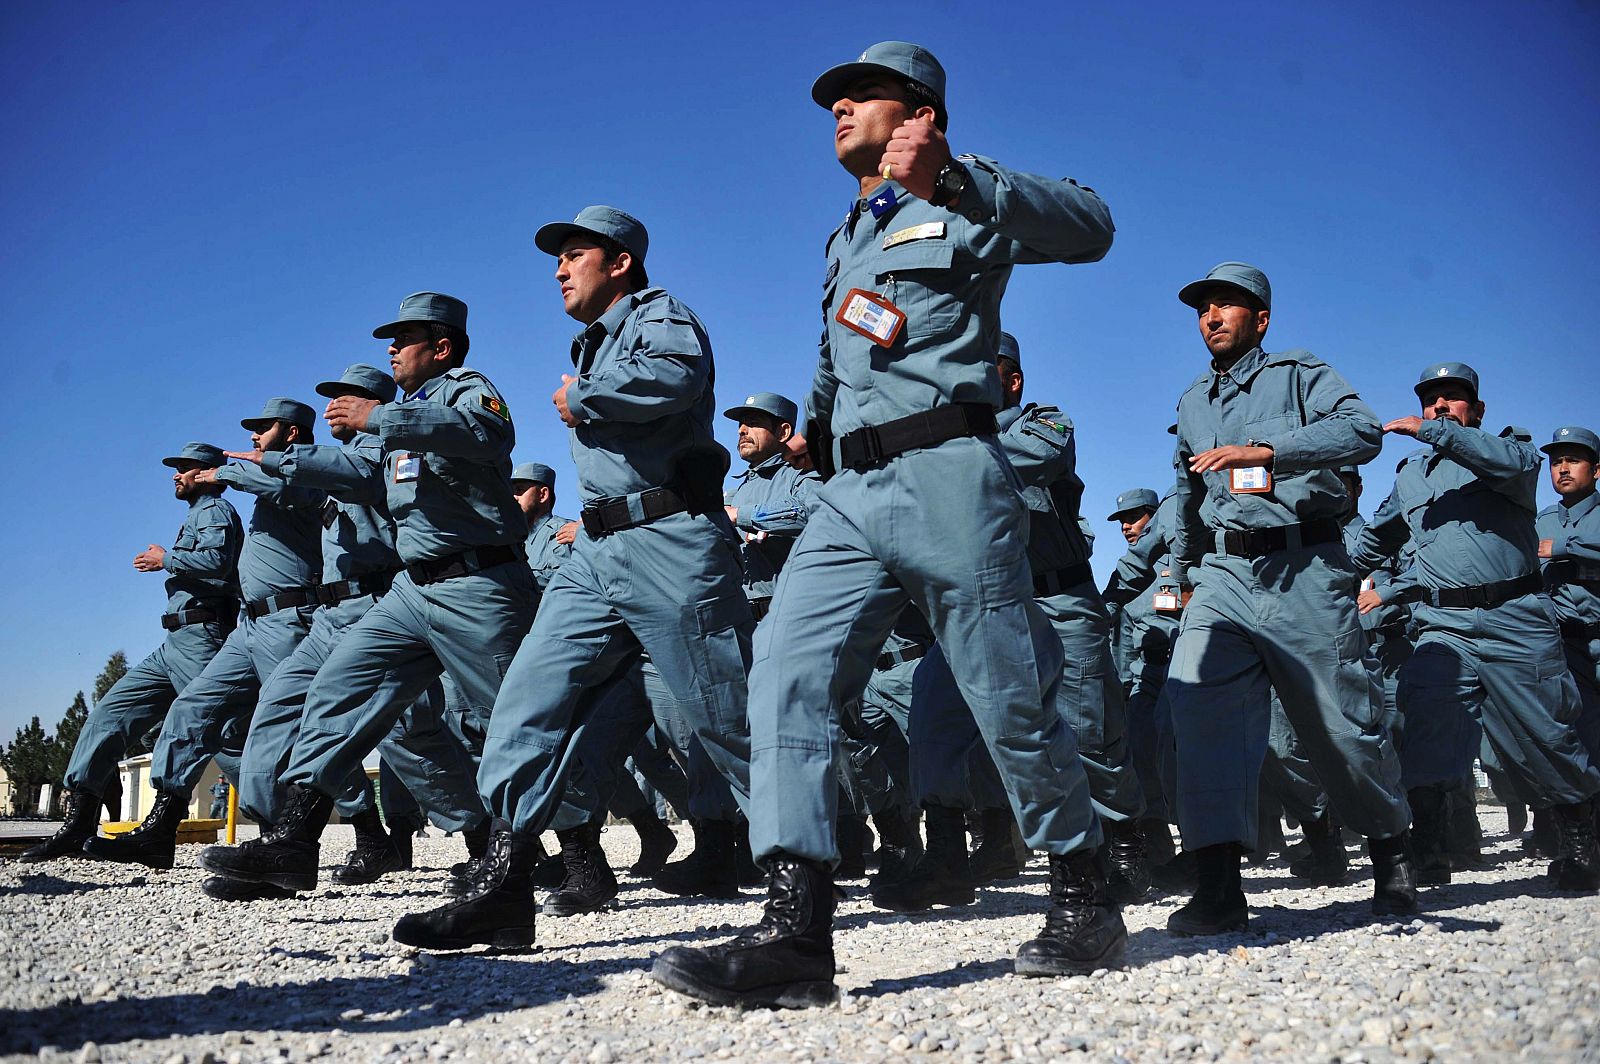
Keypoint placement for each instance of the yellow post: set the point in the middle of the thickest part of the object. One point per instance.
(233, 811)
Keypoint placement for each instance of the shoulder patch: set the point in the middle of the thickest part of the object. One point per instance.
(496, 406)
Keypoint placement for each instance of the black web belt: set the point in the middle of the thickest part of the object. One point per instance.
(1580, 631)
(283, 600)
(467, 562)
(367, 584)
(1571, 571)
(1483, 596)
(868, 446)
(890, 658)
(198, 615)
(1260, 542)
(1055, 581)
(614, 515)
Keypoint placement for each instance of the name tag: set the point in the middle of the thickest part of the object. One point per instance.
(872, 316)
(407, 467)
(925, 231)
(1250, 480)
(1167, 602)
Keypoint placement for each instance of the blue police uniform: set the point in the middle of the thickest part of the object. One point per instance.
(202, 608)
(1572, 577)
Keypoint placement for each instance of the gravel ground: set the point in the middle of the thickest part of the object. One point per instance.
(106, 962)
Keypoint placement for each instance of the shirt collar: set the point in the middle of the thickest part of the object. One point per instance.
(1571, 515)
(1243, 371)
(863, 205)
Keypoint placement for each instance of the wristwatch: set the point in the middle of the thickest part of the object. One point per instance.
(948, 186)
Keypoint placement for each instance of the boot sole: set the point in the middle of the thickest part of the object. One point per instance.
(1226, 927)
(560, 910)
(508, 938)
(286, 880)
(801, 995)
(1110, 958)
(1388, 907)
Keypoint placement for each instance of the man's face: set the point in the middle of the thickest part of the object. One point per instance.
(863, 119)
(1572, 471)
(1134, 524)
(532, 497)
(761, 436)
(413, 357)
(1451, 401)
(181, 488)
(1230, 326)
(589, 282)
(275, 437)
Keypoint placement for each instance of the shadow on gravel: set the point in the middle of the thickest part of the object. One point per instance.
(960, 975)
(46, 885)
(400, 1003)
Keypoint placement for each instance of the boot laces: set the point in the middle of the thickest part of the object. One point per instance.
(159, 812)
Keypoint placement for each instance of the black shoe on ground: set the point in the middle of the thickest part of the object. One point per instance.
(999, 856)
(82, 823)
(1543, 840)
(1178, 874)
(589, 884)
(785, 961)
(154, 843)
(1218, 905)
(375, 853)
(1394, 875)
(403, 834)
(1463, 833)
(221, 888)
(1083, 931)
(1430, 810)
(1577, 864)
(1127, 867)
(287, 855)
(941, 877)
(900, 834)
(709, 871)
(1325, 863)
(851, 834)
(497, 911)
(656, 843)
(462, 873)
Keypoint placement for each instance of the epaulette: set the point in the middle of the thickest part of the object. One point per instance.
(1516, 432)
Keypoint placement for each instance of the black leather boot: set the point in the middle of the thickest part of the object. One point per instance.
(1516, 818)
(1577, 865)
(1178, 874)
(1429, 808)
(1542, 841)
(589, 884)
(1157, 841)
(287, 855)
(785, 961)
(496, 911)
(1394, 875)
(1083, 930)
(403, 834)
(996, 858)
(82, 824)
(1463, 833)
(1218, 905)
(900, 834)
(941, 877)
(374, 855)
(1127, 867)
(656, 843)
(463, 872)
(709, 871)
(1327, 863)
(851, 833)
(154, 843)
(221, 888)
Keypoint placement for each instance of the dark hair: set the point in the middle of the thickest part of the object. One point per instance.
(1008, 367)
(919, 95)
(636, 277)
(459, 341)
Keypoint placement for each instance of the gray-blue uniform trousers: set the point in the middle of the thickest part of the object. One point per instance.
(204, 562)
(279, 569)
(643, 396)
(358, 564)
(1039, 443)
(942, 527)
(1144, 571)
(1572, 576)
(881, 718)
(1466, 502)
(464, 601)
(1286, 619)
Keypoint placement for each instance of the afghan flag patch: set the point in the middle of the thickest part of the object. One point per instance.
(497, 407)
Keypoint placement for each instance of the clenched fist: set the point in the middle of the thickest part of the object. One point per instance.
(916, 153)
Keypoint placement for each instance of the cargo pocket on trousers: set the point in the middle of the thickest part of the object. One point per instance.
(724, 659)
(1359, 692)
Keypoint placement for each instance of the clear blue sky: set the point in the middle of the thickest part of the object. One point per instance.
(205, 205)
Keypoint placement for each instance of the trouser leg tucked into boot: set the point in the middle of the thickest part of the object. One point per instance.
(1430, 806)
(851, 831)
(1127, 866)
(1083, 931)
(154, 842)
(462, 872)
(1577, 865)
(785, 961)
(710, 870)
(1327, 863)
(1218, 905)
(1394, 875)
(589, 884)
(497, 909)
(941, 877)
(900, 830)
(996, 857)
(375, 852)
(287, 855)
(82, 824)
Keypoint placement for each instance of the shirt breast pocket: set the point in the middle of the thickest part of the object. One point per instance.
(916, 277)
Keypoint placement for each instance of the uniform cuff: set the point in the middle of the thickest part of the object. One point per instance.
(272, 462)
(977, 202)
(575, 405)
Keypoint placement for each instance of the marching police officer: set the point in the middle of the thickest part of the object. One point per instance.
(280, 567)
(534, 485)
(1487, 643)
(202, 608)
(1569, 547)
(1260, 437)
(925, 508)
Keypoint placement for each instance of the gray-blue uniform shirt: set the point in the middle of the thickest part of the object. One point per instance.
(357, 532)
(1572, 572)
(448, 454)
(283, 550)
(772, 497)
(204, 559)
(545, 555)
(1292, 402)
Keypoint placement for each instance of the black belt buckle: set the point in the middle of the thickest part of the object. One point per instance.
(1236, 541)
(171, 621)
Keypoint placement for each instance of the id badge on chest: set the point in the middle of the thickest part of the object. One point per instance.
(1250, 480)
(871, 315)
(407, 468)
(1167, 601)
(1368, 584)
